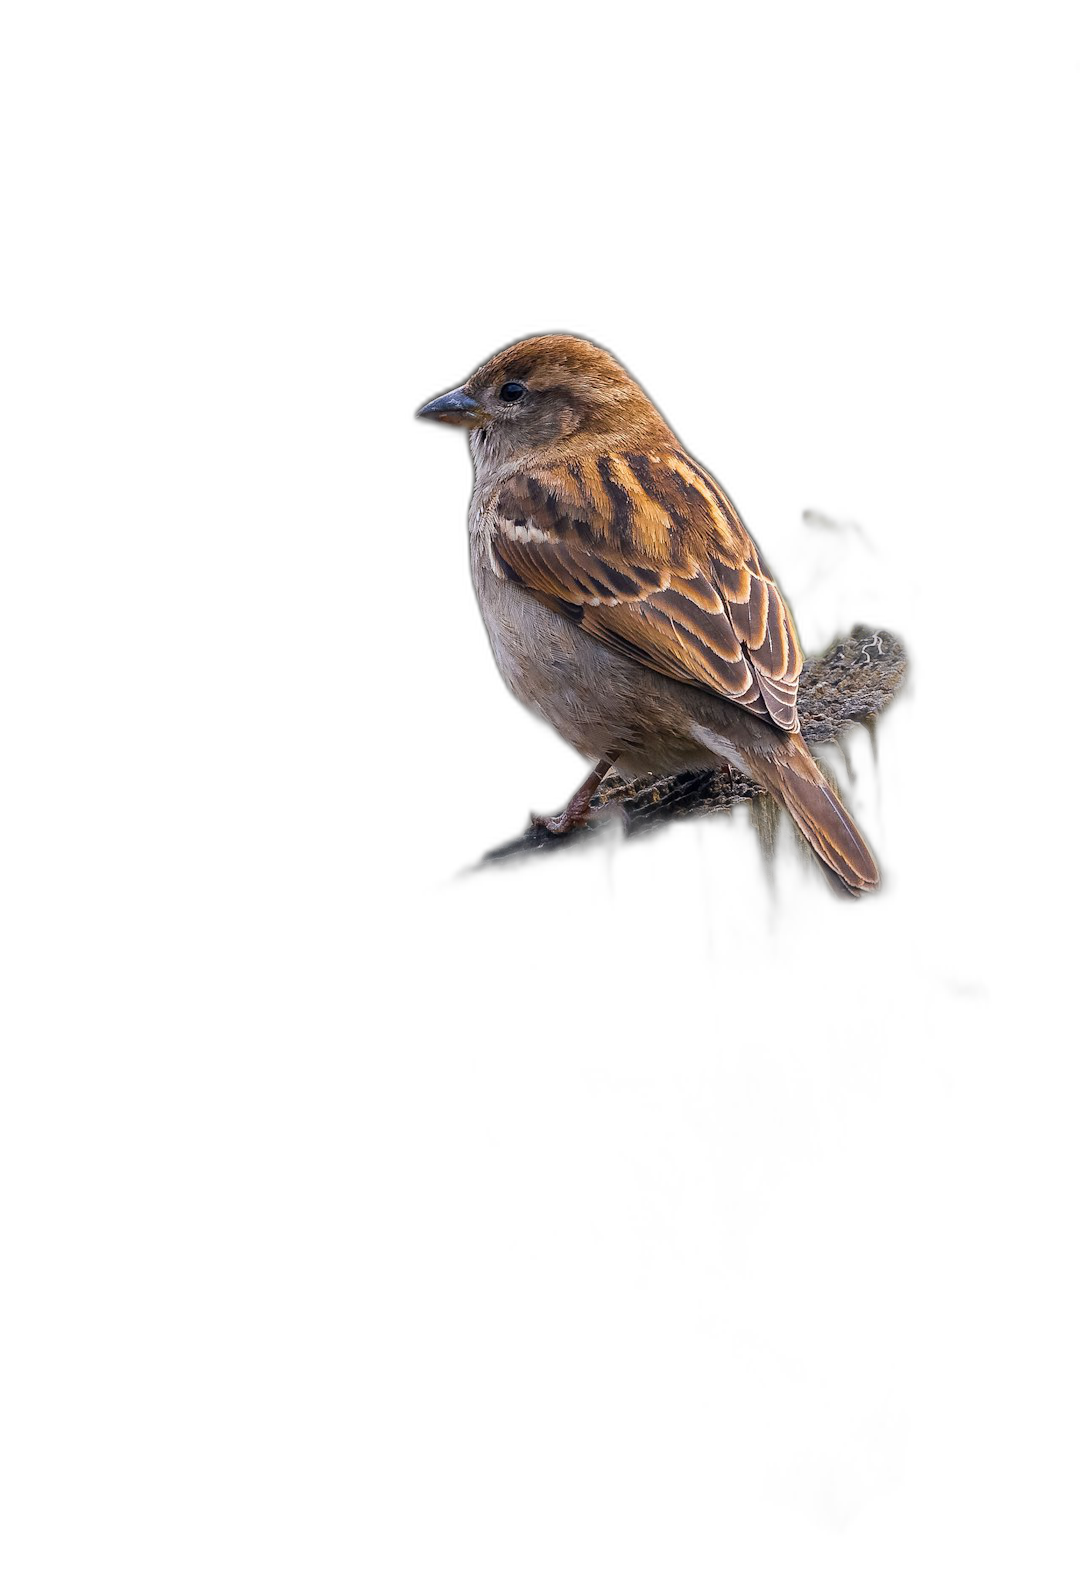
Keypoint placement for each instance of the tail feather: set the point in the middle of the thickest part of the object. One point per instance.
(796, 779)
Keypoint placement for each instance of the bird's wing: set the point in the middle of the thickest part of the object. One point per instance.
(648, 555)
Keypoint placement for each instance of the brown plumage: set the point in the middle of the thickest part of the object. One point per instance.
(624, 597)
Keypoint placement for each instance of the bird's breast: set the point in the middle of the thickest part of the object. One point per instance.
(536, 650)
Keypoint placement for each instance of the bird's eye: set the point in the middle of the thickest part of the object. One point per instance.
(510, 393)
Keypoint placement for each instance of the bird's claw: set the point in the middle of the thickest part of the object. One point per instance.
(573, 818)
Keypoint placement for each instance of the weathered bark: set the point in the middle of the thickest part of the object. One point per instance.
(852, 682)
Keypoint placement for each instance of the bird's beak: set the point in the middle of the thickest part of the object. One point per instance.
(457, 407)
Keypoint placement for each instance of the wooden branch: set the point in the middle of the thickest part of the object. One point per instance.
(852, 682)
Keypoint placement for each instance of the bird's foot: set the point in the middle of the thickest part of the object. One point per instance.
(568, 819)
(579, 809)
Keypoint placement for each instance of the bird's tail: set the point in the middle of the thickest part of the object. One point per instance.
(793, 775)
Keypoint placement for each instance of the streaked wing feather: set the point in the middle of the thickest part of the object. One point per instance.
(650, 557)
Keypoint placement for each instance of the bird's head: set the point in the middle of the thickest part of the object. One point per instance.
(542, 396)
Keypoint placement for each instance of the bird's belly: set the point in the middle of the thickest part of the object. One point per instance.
(596, 699)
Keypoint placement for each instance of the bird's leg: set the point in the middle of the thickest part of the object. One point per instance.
(576, 812)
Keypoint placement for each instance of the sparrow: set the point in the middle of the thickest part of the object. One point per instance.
(624, 599)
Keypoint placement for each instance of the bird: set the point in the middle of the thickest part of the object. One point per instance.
(624, 599)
